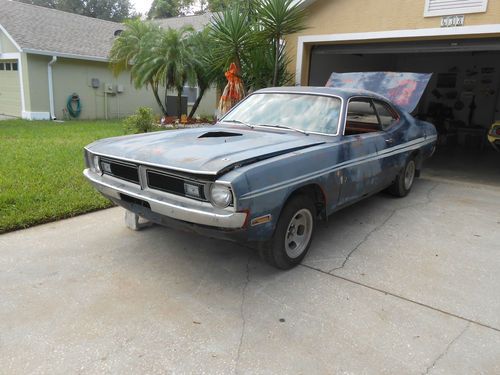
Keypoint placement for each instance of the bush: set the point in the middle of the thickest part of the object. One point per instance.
(143, 121)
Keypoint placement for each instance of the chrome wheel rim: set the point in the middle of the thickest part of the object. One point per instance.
(409, 174)
(298, 233)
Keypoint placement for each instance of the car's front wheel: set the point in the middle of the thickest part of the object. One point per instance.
(293, 234)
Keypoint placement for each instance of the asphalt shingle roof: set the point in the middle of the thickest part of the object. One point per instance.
(49, 30)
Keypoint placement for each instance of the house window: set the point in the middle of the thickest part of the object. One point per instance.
(8, 66)
(191, 93)
(435, 8)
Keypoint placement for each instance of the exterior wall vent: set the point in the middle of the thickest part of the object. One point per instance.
(436, 8)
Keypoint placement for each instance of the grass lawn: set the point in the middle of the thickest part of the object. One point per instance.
(41, 166)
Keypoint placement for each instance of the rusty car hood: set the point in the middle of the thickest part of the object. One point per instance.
(402, 89)
(208, 150)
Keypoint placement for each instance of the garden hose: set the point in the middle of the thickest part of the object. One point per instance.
(73, 105)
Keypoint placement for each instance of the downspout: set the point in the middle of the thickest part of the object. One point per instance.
(51, 88)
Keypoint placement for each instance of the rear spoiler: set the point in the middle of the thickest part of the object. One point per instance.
(403, 89)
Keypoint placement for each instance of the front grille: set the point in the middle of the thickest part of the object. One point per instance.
(120, 169)
(172, 184)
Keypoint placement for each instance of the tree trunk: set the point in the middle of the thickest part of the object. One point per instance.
(179, 101)
(276, 61)
(154, 88)
(197, 102)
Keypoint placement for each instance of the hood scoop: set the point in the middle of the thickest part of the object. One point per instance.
(220, 134)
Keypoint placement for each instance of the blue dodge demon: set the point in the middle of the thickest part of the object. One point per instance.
(280, 160)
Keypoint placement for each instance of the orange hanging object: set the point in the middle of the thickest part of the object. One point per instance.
(234, 90)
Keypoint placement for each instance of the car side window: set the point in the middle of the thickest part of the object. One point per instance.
(386, 115)
(361, 117)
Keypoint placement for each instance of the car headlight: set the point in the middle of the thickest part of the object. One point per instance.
(94, 164)
(220, 195)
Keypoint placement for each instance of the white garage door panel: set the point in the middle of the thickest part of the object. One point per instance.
(10, 93)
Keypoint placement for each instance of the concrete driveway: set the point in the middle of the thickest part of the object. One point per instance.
(391, 286)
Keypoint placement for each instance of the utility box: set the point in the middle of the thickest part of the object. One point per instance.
(108, 88)
(172, 105)
(95, 83)
(120, 89)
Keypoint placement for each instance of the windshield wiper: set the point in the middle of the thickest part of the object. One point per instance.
(285, 127)
(239, 122)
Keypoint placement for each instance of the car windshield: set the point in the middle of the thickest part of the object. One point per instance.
(302, 112)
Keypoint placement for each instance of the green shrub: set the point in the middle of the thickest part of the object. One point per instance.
(143, 121)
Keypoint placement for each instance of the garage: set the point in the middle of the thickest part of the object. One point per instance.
(10, 90)
(462, 98)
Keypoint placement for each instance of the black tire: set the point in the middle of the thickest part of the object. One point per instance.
(401, 186)
(279, 252)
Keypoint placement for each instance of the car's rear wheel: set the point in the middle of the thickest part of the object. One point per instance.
(293, 234)
(404, 181)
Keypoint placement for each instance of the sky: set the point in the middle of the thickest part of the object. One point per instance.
(142, 6)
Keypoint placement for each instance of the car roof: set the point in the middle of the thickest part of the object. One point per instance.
(320, 90)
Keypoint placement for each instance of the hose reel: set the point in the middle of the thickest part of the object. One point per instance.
(73, 105)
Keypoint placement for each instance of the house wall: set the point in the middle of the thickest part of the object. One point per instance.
(6, 45)
(10, 93)
(75, 76)
(208, 104)
(356, 16)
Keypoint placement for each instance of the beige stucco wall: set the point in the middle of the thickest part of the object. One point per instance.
(75, 76)
(354, 16)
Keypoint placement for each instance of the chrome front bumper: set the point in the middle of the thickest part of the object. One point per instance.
(170, 205)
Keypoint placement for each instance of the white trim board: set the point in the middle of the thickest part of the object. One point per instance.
(10, 56)
(390, 34)
(27, 115)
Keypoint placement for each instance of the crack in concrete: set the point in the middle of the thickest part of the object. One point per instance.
(242, 314)
(365, 238)
(380, 226)
(406, 299)
(446, 349)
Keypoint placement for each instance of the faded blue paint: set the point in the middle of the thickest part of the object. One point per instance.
(189, 150)
(402, 89)
(266, 166)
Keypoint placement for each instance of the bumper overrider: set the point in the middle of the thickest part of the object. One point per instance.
(166, 208)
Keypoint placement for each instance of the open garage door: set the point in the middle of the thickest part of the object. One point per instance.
(462, 98)
(10, 90)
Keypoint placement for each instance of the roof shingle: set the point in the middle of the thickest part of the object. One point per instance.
(53, 31)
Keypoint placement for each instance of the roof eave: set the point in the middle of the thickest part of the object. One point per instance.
(65, 55)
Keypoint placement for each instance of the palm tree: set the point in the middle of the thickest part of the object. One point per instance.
(206, 67)
(258, 68)
(278, 19)
(232, 34)
(127, 49)
(169, 59)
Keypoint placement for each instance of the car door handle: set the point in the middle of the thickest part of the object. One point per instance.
(389, 141)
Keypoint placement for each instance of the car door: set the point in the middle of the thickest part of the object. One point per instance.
(362, 172)
(388, 150)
